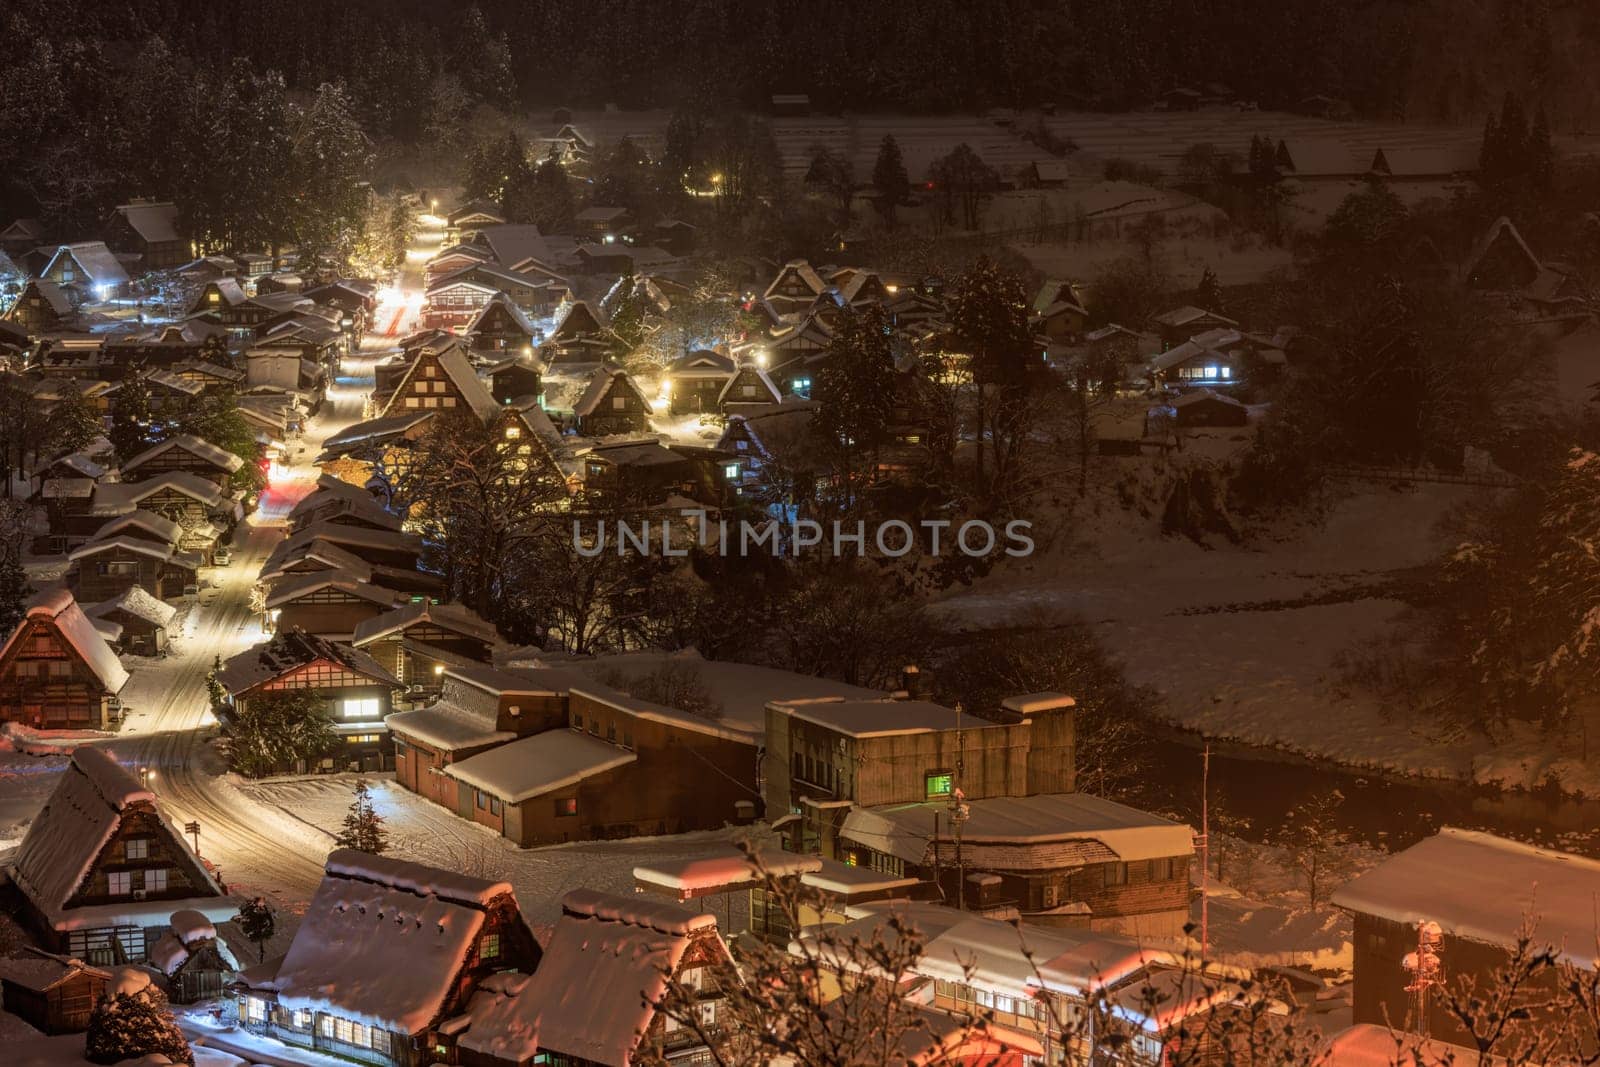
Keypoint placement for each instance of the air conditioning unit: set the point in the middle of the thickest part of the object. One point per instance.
(138, 894)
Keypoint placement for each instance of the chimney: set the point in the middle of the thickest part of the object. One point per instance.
(915, 684)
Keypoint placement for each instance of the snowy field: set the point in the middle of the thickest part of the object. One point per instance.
(1241, 641)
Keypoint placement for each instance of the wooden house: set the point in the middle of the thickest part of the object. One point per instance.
(870, 752)
(470, 217)
(322, 556)
(386, 548)
(107, 567)
(340, 504)
(86, 271)
(515, 378)
(1215, 359)
(1478, 890)
(41, 307)
(1181, 323)
(149, 230)
(194, 960)
(198, 506)
(748, 389)
(169, 392)
(1058, 312)
(623, 767)
(478, 708)
(696, 380)
(1205, 407)
(415, 642)
(451, 259)
(609, 961)
(21, 234)
(611, 404)
(1047, 174)
(795, 290)
(500, 326)
(602, 220)
(56, 671)
(53, 994)
(441, 377)
(1067, 859)
(638, 473)
(102, 869)
(184, 452)
(327, 604)
(388, 951)
(580, 337)
(754, 439)
(458, 298)
(143, 619)
(356, 692)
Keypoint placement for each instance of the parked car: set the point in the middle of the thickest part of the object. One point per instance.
(222, 556)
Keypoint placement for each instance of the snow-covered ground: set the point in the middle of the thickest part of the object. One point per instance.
(1241, 641)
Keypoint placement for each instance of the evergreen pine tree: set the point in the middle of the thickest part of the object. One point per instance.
(1208, 294)
(258, 923)
(130, 418)
(889, 177)
(1541, 154)
(552, 192)
(126, 1026)
(14, 594)
(214, 687)
(363, 826)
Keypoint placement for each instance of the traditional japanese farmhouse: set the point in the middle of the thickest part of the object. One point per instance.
(54, 994)
(86, 271)
(747, 390)
(591, 1002)
(42, 307)
(327, 604)
(442, 377)
(341, 504)
(1181, 323)
(56, 671)
(501, 326)
(1477, 890)
(149, 230)
(102, 869)
(144, 620)
(387, 953)
(795, 289)
(611, 404)
(184, 452)
(580, 337)
(414, 642)
(695, 381)
(109, 565)
(355, 692)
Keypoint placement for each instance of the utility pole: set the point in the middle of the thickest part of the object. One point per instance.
(958, 815)
(1205, 854)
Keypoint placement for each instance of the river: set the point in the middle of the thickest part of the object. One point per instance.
(1389, 812)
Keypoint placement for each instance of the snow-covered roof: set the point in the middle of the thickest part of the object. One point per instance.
(650, 711)
(383, 942)
(881, 718)
(136, 601)
(447, 727)
(58, 608)
(539, 764)
(42, 971)
(96, 260)
(61, 846)
(141, 546)
(1481, 887)
(296, 586)
(1131, 835)
(723, 870)
(742, 689)
(155, 223)
(122, 494)
(457, 618)
(592, 997)
(159, 525)
(288, 651)
(196, 446)
(600, 384)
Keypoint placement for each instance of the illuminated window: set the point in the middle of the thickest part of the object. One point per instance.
(513, 432)
(1227, 372)
(136, 848)
(567, 806)
(731, 470)
(619, 403)
(360, 709)
(489, 947)
(155, 881)
(939, 783)
(1211, 372)
(255, 1009)
(119, 883)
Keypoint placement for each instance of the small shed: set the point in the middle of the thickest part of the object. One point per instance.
(53, 994)
(197, 963)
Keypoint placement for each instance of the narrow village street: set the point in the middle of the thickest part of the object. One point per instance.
(169, 727)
